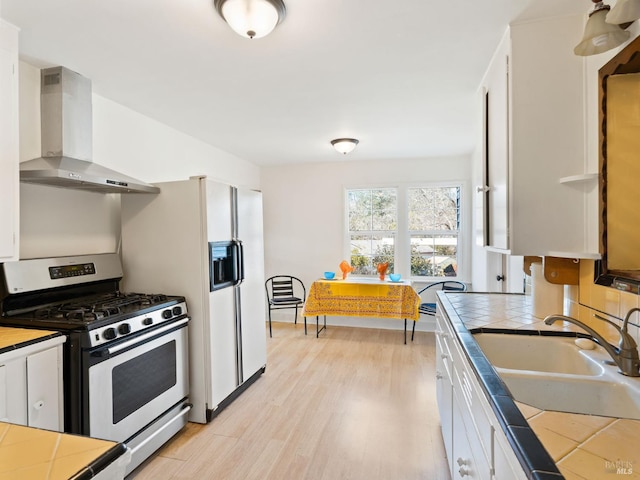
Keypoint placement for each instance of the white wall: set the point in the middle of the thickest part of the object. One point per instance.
(304, 220)
(57, 221)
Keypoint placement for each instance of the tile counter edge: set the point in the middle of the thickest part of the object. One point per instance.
(533, 457)
(101, 463)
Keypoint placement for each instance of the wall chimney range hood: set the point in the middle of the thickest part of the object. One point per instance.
(66, 123)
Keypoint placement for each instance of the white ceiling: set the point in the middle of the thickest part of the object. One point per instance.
(401, 76)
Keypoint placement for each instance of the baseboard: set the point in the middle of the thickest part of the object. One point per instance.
(425, 324)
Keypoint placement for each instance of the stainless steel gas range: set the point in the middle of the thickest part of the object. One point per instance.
(126, 357)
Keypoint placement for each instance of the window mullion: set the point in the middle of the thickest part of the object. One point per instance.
(403, 247)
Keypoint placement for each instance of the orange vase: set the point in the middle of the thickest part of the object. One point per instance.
(382, 269)
(345, 268)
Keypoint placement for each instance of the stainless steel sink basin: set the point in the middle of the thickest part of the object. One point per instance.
(552, 373)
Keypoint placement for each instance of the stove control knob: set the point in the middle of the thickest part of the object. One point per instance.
(109, 334)
(167, 314)
(147, 321)
(124, 328)
(177, 310)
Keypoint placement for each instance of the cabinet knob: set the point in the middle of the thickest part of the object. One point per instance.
(438, 376)
(463, 472)
(483, 189)
(38, 405)
(461, 461)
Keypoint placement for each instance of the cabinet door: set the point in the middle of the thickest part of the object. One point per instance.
(496, 149)
(463, 463)
(547, 139)
(505, 463)
(43, 390)
(13, 391)
(444, 395)
(9, 213)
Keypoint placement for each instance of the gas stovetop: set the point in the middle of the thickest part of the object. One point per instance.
(81, 294)
(85, 311)
(105, 318)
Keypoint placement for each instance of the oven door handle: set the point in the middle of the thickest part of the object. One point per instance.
(146, 336)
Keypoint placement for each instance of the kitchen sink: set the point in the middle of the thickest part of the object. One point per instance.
(607, 395)
(552, 373)
(538, 353)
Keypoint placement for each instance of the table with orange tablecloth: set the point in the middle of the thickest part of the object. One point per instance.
(362, 297)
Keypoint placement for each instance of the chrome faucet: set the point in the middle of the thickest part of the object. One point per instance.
(625, 355)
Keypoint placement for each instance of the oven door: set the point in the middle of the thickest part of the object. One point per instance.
(133, 382)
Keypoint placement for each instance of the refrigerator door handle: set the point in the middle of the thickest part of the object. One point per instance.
(239, 261)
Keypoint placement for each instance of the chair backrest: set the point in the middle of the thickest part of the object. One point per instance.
(284, 286)
(450, 285)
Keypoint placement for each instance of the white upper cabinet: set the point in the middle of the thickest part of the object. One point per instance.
(9, 179)
(534, 144)
(495, 100)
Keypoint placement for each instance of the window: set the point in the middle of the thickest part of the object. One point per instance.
(372, 228)
(414, 229)
(434, 222)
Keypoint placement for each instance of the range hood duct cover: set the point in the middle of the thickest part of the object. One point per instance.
(66, 123)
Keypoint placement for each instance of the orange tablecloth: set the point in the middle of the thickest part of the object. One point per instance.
(362, 298)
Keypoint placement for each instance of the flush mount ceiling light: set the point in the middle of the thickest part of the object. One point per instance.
(344, 145)
(600, 36)
(624, 11)
(251, 18)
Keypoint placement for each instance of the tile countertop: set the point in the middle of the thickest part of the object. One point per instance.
(12, 338)
(582, 446)
(32, 453)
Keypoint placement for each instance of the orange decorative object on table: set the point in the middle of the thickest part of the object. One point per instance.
(346, 268)
(382, 269)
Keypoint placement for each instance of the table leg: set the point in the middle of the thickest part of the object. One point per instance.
(405, 331)
(324, 327)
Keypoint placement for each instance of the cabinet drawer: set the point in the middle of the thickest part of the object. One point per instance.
(442, 325)
(444, 337)
(443, 358)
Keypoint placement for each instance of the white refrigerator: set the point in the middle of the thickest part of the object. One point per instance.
(204, 240)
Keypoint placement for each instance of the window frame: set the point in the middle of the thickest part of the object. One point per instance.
(402, 250)
(382, 233)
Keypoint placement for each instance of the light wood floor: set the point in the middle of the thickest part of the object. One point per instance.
(353, 404)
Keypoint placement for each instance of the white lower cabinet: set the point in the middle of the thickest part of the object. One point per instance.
(475, 445)
(464, 463)
(505, 464)
(31, 385)
(44, 385)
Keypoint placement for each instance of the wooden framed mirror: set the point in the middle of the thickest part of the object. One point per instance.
(619, 164)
